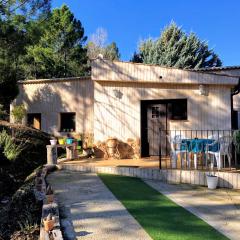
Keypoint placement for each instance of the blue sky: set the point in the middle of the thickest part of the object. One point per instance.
(128, 21)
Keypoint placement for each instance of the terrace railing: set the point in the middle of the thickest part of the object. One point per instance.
(199, 149)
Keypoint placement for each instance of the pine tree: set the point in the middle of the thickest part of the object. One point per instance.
(60, 51)
(111, 52)
(175, 48)
(14, 15)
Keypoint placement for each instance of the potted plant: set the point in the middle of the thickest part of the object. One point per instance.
(49, 194)
(49, 222)
(61, 141)
(53, 141)
(69, 140)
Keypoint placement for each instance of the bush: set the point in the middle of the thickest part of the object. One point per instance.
(11, 150)
(18, 113)
(236, 140)
(21, 218)
(32, 155)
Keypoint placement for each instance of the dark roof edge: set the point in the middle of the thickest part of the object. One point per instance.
(51, 80)
(217, 68)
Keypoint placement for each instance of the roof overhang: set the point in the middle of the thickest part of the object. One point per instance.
(53, 80)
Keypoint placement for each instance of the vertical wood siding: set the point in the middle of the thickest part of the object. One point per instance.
(52, 98)
(103, 70)
(120, 118)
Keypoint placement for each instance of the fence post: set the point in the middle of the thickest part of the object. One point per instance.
(160, 149)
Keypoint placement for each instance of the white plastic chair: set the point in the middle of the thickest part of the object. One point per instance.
(223, 151)
(176, 148)
(215, 136)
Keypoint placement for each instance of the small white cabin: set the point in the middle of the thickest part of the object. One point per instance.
(130, 101)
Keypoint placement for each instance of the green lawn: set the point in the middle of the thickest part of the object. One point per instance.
(158, 215)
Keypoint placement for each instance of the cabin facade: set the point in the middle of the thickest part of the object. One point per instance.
(129, 101)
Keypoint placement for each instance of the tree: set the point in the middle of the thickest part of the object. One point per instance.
(176, 48)
(13, 39)
(97, 45)
(60, 51)
(111, 52)
(30, 9)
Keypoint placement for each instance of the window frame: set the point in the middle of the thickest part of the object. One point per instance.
(32, 115)
(61, 127)
(172, 112)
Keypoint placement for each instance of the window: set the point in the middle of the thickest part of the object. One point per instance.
(178, 109)
(34, 120)
(67, 122)
(155, 112)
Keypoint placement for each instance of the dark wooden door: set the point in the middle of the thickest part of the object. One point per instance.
(157, 119)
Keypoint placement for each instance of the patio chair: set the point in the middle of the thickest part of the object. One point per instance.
(223, 149)
(177, 147)
(215, 136)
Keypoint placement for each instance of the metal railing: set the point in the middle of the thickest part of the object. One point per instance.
(198, 149)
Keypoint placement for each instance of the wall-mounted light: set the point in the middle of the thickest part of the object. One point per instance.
(117, 93)
(203, 90)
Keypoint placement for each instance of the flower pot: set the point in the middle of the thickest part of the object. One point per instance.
(50, 198)
(69, 141)
(61, 141)
(212, 181)
(48, 224)
(53, 141)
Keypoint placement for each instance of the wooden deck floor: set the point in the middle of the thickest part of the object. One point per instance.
(140, 163)
(149, 162)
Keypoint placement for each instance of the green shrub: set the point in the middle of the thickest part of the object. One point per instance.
(18, 113)
(236, 140)
(11, 150)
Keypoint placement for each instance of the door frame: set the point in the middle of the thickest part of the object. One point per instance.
(144, 104)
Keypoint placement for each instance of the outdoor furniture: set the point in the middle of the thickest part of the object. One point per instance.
(197, 146)
(52, 152)
(223, 144)
(177, 147)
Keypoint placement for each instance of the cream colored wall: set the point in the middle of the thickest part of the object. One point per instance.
(104, 70)
(234, 73)
(120, 118)
(50, 98)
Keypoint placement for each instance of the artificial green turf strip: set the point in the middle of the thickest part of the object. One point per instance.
(161, 218)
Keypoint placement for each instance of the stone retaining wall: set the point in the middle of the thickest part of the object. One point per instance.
(226, 179)
(47, 208)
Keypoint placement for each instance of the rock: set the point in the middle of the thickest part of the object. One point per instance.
(125, 150)
(68, 230)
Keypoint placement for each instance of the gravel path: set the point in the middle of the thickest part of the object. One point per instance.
(220, 208)
(90, 210)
